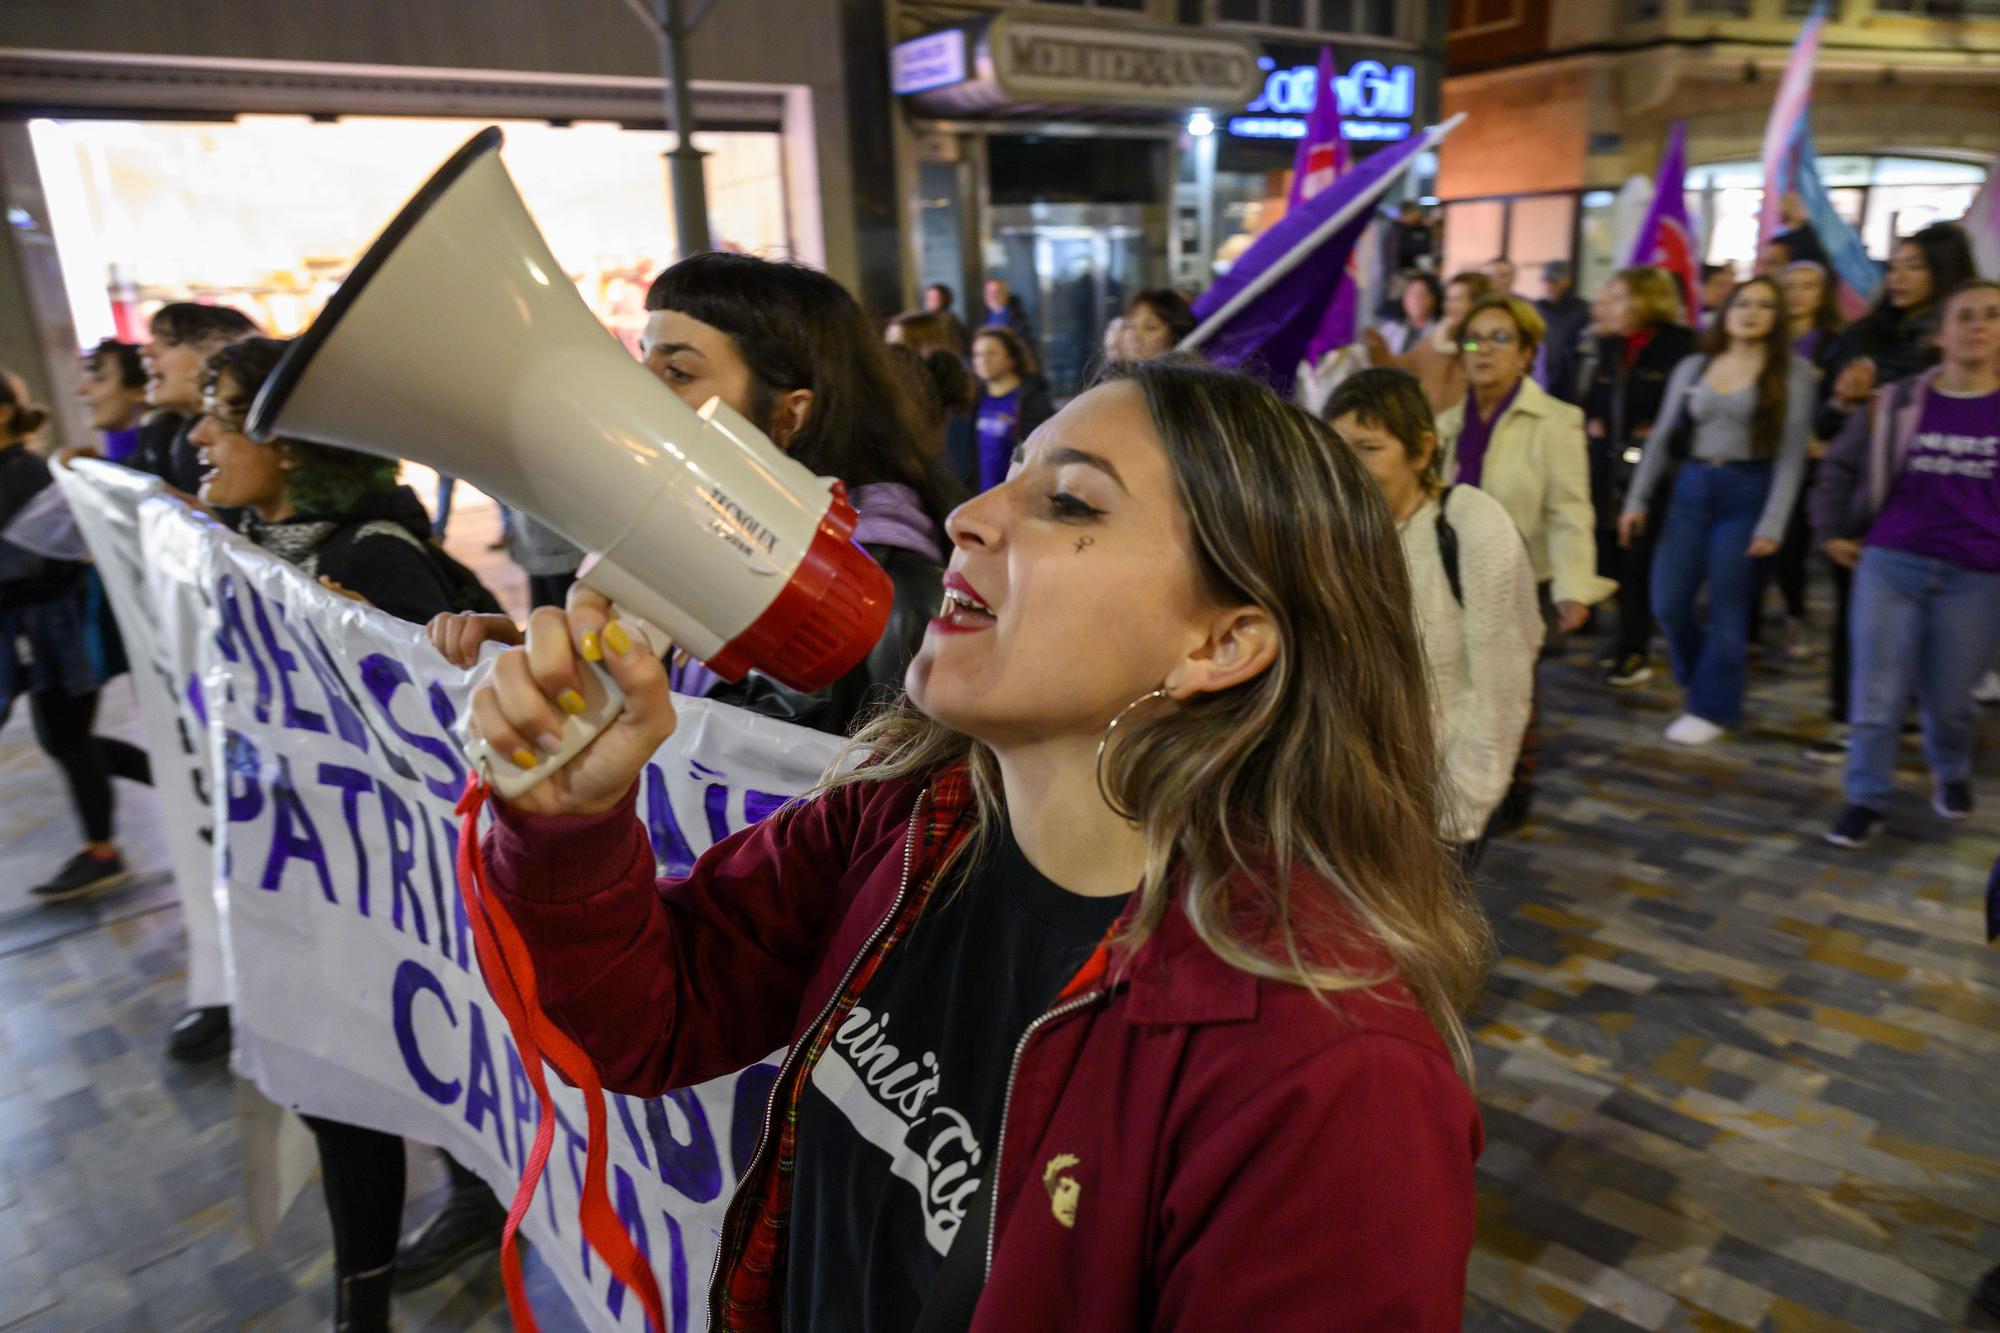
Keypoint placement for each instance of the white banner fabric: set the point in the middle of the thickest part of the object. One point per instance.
(304, 748)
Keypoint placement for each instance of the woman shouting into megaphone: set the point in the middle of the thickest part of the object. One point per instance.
(1121, 979)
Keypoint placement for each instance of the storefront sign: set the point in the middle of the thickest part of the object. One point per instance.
(932, 61)
(1029, 65)
(1377, 101)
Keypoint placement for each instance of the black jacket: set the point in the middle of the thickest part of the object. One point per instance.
(1899, 344)
(1622, 404)
(1567, 326)
(839, 708)
(24, 576)
(164, 450)
(379, 549)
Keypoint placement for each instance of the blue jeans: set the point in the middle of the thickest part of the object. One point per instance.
(1924, 625)
(446, 485)
(1706, 540)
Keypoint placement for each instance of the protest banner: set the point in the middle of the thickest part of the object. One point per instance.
(324, 743)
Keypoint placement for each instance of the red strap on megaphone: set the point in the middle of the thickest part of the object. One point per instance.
(510, 977)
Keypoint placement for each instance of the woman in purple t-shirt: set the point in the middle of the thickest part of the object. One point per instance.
(1012, 401)
(1912, 503)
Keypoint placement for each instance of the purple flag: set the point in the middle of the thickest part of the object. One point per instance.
(1261, 315)
(1665, 240)
(1322, 154)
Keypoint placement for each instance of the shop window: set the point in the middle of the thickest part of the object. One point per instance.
(267, 213)
(1883, 198)
(1644, 11)
(1376, 18)
(1734, 9)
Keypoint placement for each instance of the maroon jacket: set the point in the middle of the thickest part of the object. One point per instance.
(1243, 1153)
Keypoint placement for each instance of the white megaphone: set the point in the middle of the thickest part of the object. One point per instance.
(458, 342)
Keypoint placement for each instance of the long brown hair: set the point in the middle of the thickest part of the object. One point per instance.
(1308, 797)
(1767, 419)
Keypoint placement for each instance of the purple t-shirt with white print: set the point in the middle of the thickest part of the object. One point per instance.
(1946, 502)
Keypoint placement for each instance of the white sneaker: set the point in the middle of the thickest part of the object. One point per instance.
(1987, 691)
(1687, 729)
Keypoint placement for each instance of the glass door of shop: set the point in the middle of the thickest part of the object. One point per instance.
(1074, 268)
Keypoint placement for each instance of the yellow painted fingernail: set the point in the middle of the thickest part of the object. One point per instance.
(571, 701)
(616, 639)
(591, 652)
(525, 758)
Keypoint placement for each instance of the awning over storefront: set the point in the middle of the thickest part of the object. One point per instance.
(73, 84)
(1008, 65)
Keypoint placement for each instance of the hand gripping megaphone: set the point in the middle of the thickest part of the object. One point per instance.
(458, 342)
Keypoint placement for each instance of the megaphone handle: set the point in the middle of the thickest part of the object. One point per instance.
(602, 701)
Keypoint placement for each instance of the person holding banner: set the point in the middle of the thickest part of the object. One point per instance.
(1889, 344)
(1130, 945)
(1746, 406)
(339, 516)
(1909, 499)
(185, 334)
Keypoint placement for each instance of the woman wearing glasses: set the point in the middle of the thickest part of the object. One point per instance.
(1524, 448)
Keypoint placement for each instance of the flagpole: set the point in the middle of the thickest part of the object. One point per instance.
(1298, 254)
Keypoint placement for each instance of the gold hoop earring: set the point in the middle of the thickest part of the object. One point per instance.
(1104, 743)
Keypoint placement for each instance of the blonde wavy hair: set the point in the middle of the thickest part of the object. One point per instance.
(1281, 810)
(1654, 292)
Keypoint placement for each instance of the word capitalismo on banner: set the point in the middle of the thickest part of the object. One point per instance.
(305, 750)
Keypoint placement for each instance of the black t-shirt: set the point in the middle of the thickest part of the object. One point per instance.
(900, 1117)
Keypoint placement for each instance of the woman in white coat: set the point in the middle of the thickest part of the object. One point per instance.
(1473, 591)
(1526, 449)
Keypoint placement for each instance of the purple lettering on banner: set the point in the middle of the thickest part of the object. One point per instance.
(285, 666)
(411, 977)
(402, 860)
(624, 1105)
(759, 806)
(293, 837)
(746, 1113)
(482, 1095)
(383, 675)
(351, 783)
(347, 722)
(232, 640)
(437, 884)
(670, 845)
(715, 804)
(196, 700)
(242, 777)
(677, 1272)
(692, 1167)
(461, 925)
(625, 1198)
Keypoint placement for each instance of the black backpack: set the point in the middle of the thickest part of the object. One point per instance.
(461, 585)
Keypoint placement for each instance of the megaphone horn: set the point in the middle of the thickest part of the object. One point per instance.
(458, 342)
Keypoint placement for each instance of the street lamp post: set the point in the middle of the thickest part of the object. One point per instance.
(684, 168)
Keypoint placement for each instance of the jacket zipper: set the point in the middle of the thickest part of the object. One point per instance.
(785, 1065)
(1062, 1010)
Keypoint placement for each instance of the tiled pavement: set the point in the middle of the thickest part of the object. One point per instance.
(1732, 1078)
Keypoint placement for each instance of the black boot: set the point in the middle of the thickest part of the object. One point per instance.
(361, 1300)
(469, 1223)
(200, 1034)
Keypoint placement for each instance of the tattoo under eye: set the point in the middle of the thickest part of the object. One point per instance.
(1082, 542)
